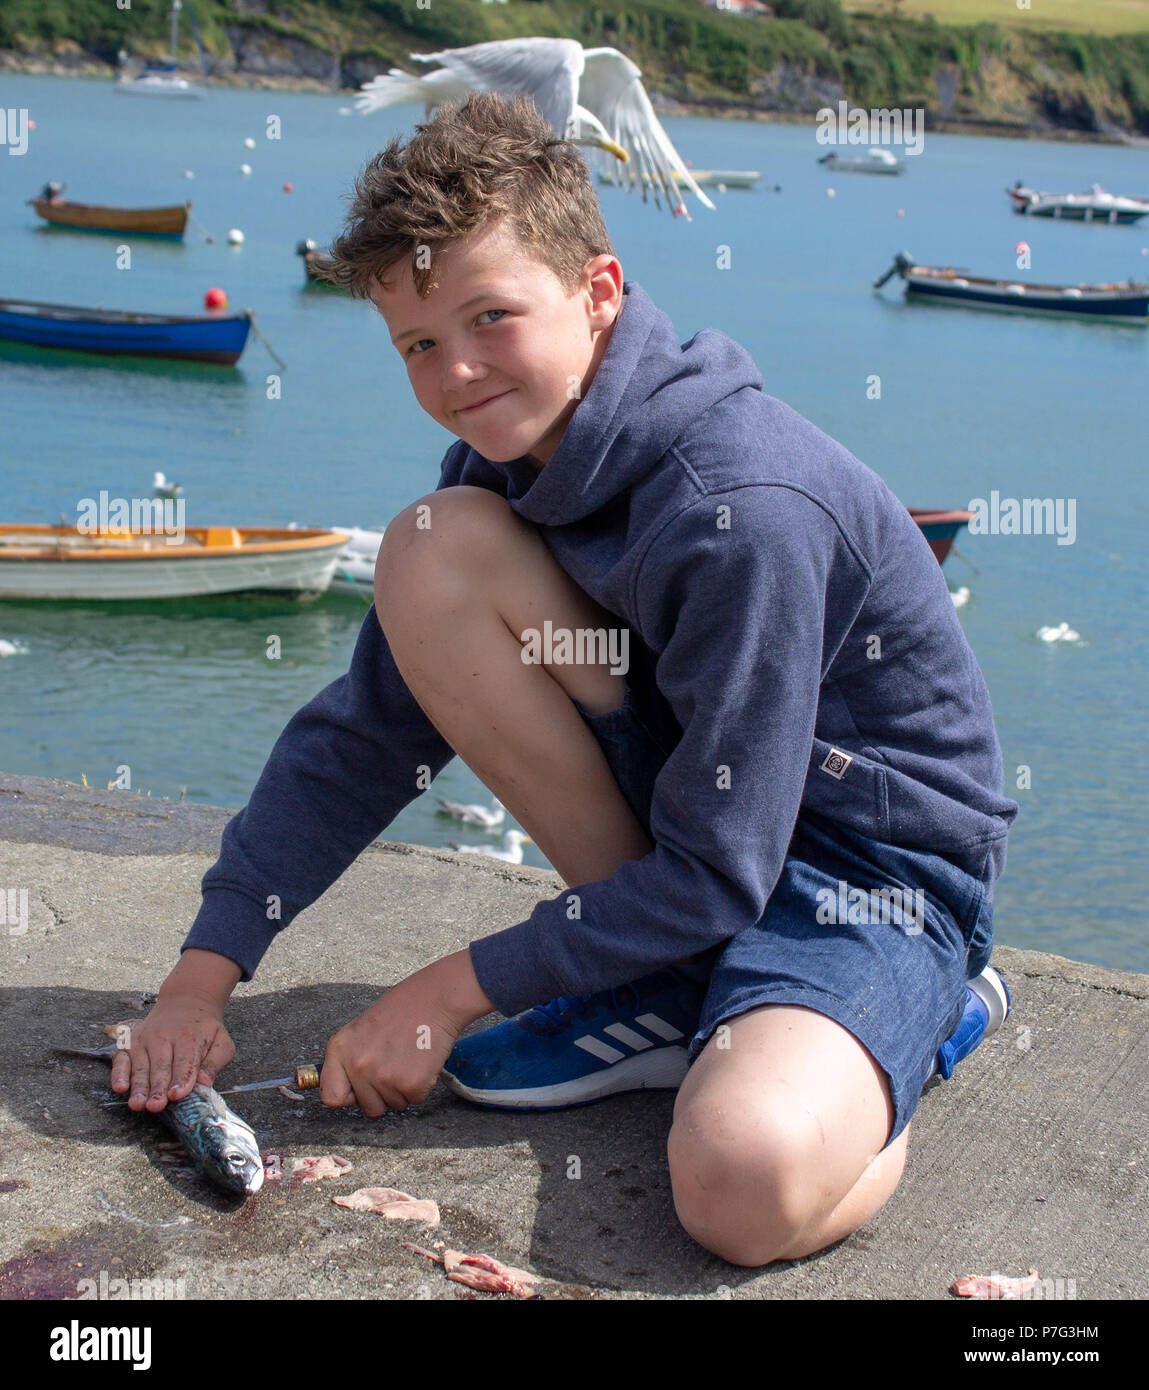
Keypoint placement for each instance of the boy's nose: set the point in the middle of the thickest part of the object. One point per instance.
(460, 371)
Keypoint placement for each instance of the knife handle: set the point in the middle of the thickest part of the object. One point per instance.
(307, 1078)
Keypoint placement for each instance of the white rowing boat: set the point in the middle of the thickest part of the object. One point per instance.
(57, 562)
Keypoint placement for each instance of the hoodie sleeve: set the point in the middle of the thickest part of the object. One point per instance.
(341, 771)
(732, 593)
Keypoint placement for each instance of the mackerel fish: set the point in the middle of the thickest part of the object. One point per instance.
(220, 1144)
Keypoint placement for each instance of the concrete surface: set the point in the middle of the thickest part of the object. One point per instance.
(1034, 1155)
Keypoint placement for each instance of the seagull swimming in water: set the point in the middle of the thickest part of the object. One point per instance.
(511, 852)
(486, 816)
(592, 96)
(162, 488)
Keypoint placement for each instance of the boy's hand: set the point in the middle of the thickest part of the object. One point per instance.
(391, 1055)
(182, 1042)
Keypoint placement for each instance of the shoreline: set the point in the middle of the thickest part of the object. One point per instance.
(714, 108)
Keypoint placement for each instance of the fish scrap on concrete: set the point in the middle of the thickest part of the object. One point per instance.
(994, 1285)
(300, 1170)
(481, 1272)
(390, 1204)
(220, 1144)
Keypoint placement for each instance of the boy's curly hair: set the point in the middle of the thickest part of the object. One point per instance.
(475, 163)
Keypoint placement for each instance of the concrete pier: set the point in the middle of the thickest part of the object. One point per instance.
(1033, 1156)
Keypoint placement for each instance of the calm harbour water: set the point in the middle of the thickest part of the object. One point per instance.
(970, 403)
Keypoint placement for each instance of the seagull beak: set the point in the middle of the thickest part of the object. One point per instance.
(599, 143)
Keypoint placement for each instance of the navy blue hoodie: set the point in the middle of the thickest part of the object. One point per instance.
(796, 621)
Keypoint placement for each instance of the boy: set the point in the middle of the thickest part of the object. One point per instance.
(782, 734)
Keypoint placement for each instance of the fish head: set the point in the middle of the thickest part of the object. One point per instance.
(234, 1166)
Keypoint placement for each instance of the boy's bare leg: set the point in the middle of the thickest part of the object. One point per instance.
(452, 599)
(777, 1145)
(771, 1153)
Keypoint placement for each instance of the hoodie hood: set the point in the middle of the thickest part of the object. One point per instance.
(648, 389)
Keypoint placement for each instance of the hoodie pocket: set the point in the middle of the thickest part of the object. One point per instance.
(849, 788)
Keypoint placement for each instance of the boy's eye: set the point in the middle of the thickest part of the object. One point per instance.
(417, 349)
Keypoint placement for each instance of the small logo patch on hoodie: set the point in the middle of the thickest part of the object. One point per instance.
(836, 763)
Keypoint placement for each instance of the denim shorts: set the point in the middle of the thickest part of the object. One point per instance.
(897, 985)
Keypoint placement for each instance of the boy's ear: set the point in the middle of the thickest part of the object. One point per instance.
(602, 276)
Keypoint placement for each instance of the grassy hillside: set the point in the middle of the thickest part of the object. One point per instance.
(1068, 16)
(1016, 74)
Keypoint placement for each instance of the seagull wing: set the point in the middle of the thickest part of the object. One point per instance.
(399, 87)
(545, 69)
(611, 88)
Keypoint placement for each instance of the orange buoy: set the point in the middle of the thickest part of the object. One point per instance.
(288, 188)
(215, 299)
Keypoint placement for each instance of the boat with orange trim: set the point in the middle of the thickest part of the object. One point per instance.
(60, 562)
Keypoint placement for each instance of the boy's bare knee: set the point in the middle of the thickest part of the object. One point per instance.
(433, 541)
(745, 1185)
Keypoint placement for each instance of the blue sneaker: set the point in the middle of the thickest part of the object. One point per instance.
(987, 1004)
(581, 1048)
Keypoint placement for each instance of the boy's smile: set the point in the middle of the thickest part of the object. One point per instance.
(497, 353)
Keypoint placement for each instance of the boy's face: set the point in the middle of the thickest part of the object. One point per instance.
(497, 353)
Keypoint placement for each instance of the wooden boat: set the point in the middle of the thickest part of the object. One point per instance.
(1094, 206)
(41, 562)
(168, 222)
(940, 528)
(875, 161)
(1114, 303)
(204, 338)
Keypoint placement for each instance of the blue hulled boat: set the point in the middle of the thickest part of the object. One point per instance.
(204, 338)
(1112, 303)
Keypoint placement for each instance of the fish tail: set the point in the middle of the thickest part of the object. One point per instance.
(99, 1054)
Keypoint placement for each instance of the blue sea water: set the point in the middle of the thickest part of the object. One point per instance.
(969, 403)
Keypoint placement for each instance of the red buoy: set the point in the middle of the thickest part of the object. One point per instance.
(287, 188)
(215, 299)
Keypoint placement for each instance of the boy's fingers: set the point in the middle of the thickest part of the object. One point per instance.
(121, 1071)
(218, 1055)
(139, 1096)
(334, 1088)
(160, 1076)
(184, 1067)
(369, 1100)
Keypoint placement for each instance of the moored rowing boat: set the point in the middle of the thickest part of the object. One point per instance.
(204, 338)
(167, 222)
(57, 562)
(1111, 303)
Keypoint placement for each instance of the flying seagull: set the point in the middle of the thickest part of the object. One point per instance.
(590, 95)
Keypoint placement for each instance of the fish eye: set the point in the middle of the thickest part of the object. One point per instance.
(237, 1160)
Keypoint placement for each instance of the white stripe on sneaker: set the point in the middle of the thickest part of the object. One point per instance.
(628, 1036)
(603, 1051)
(659, 1027)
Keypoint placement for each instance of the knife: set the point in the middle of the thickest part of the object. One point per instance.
(306, 1078)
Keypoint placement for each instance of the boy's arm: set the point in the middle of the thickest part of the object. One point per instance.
(739, 617)
(344, 767)
(341, 771)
